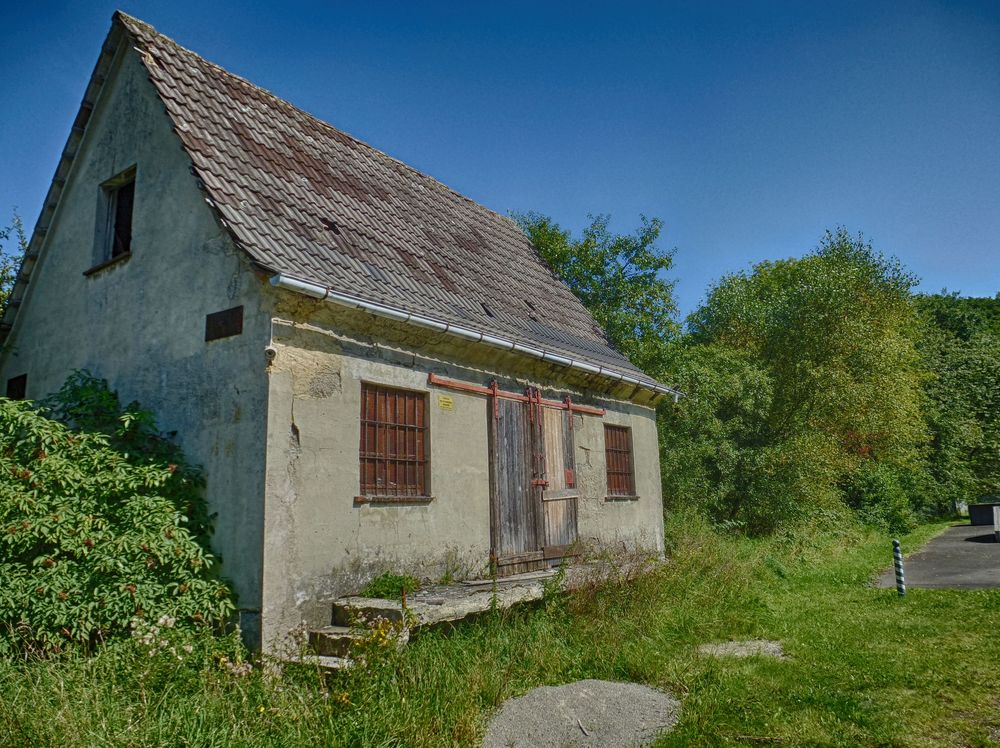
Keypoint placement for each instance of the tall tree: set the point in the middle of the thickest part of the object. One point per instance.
(831, 338)
(619, 278)
(13, 244)
(961, 348)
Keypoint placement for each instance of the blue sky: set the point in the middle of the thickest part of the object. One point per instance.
(749, 128)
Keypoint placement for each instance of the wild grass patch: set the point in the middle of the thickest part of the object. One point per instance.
(864, 667)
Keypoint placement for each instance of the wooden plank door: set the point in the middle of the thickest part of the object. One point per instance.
(533, 484)
(515, 525)
(560, 494)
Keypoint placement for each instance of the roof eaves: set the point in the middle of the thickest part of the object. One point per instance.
(299, 285)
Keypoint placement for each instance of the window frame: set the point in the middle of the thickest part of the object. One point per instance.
(105, 253)
(376, 466)
(112, 251)
(613, 447)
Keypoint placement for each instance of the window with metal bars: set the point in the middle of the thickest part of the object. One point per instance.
(393, 442)
(618, 455)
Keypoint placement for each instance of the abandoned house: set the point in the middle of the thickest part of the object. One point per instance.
(375, 372)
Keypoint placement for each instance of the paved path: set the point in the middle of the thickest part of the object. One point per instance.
(962, 557)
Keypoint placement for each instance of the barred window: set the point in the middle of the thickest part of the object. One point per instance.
(393, 442)
(618, 454)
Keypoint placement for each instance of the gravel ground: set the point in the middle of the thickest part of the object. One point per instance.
(752, 648)
(584, 713)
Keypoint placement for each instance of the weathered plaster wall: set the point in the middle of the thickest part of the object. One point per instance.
(321, 544)
(141, 323)
(620, 524)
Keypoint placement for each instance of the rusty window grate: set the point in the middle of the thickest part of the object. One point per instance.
(393, 442)
(618, 453)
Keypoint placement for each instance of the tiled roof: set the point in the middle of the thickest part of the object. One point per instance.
(307, 200)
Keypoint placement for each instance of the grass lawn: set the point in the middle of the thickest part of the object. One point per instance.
(864, 667)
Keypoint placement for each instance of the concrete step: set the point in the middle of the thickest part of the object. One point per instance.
(333, 641)
(323, 662)
(437, 605)
(354, 610)
(338, 641)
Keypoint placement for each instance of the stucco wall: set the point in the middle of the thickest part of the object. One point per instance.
(141, 323)
(321, 544)
(615, 523)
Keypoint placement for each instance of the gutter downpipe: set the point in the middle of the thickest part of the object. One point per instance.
(280, 280)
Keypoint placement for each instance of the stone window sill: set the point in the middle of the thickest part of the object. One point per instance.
(621, 498)
(393, 500)
(108, 263)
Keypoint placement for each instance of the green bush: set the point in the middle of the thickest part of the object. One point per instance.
(388, 586)
(102, 524)
(878, 494)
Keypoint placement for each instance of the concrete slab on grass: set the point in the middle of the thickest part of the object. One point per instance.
(962, 557)
(752, 648)
(584, 713)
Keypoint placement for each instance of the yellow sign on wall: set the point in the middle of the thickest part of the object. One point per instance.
(446, 402)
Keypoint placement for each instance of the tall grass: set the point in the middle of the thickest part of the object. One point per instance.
(865, 667)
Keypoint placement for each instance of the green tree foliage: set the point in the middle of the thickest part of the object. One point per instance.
(800, 373)
(13, 244)
(102, 525)
(619, 278)
(961, 347)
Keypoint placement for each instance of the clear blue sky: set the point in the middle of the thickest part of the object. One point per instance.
(749, 128)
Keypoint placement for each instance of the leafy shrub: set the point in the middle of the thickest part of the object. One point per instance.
(387, 586)
(102, 525)
(720, 454)
(878, 495)
(798, 373)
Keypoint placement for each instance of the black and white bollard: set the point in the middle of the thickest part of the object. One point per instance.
(897, 562)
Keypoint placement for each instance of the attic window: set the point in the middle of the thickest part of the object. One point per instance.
(114, 225)
(120, 198)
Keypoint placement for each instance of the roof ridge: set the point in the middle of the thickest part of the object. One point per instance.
(129, 21)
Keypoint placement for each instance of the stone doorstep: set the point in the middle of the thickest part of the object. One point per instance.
(336, 641)
(436, 609)
(437, 604)
(333, 641)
